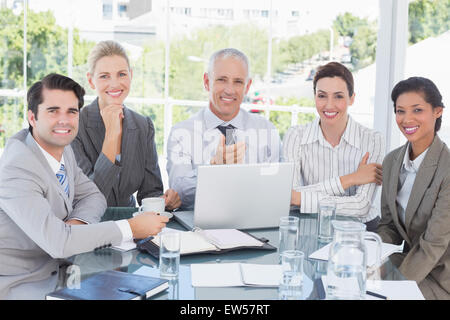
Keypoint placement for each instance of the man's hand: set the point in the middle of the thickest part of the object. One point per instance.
(147, 224)
(366, 173)
(172, 199)
(234, 153)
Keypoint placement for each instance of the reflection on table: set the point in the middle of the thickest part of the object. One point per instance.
(134, 261)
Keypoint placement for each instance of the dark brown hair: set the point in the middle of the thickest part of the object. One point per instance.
(52, 81)
(421, 85)
(334, 69)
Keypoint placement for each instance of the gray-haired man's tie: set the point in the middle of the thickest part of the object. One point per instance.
(228, 132)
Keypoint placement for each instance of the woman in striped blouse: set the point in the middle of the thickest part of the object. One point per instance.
(334, 155)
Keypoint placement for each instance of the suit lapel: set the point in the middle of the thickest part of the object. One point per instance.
(128, 146)
(393, 190)
(71, 176)
(95, 126)
(423, 178)
(43, 161)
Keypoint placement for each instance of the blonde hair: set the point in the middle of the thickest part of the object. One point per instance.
(105, 49)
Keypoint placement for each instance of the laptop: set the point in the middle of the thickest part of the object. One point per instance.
(240, 196)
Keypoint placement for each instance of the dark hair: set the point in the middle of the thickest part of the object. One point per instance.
(334, 69)
(422, 85)
(52, 81)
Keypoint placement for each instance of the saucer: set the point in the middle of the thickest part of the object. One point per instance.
(165, 214)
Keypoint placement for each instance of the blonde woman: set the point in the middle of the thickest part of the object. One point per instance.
(115, 146)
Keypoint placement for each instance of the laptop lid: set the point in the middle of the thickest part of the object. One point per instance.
(243, 196)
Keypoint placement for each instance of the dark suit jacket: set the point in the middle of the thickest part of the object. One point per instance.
(138, 169)
(427, 219)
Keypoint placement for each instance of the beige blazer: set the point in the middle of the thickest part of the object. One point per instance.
(427, 219)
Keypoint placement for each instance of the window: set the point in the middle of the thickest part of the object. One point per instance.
(428, 47)
(107, 10)
(281, 77)
(123, 9)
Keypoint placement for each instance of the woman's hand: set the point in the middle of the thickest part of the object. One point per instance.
(366, 173)
(112, 116)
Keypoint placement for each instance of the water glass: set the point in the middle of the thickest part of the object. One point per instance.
(291, 282)
(288, 233)
(169, 254)
(327, 213)
(174, 290)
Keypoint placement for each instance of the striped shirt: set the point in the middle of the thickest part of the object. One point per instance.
(318, 167)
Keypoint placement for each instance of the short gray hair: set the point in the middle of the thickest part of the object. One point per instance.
(228, 53)
(105, 49)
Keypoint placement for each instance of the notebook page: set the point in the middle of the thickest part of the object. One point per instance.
(216, 275)
(230, 238)
(266, 275)
(386, 250)
(190, 242)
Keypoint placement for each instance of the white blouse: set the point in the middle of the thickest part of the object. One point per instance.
(318, 167)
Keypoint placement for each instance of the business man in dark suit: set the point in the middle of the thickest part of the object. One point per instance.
(48, 208)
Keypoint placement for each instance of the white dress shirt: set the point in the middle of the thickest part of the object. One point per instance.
(319, 166)
(55, 165)
(194, 142)
(406, 178)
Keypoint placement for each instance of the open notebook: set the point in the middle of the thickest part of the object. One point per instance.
(235, 275)
(208, 241)
(386, 250)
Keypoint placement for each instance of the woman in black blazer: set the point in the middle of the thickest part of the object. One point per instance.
(115, 146)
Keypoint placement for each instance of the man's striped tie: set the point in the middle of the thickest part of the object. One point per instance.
(62, 178)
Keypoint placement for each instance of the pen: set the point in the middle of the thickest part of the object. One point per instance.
(377, 295)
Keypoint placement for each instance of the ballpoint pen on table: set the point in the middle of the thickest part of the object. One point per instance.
(377, 295)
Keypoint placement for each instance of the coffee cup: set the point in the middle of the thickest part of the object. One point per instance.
(154, 204)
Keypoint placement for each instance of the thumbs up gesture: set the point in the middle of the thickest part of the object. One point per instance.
(368, 172)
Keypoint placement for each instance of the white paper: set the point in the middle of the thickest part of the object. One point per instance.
(266, 275)
(392, 290)
(209, 240)
(395, 290)
(386, 250)
(216, 275)
(230, 238)
(190, 242)
(230, 275)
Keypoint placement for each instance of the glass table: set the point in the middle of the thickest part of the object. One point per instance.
(142, 263)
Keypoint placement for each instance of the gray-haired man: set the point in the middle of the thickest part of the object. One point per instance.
(222, 133)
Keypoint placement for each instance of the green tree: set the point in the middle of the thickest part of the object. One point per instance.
(347, 24)
(363, 47)
(428, 18)
(282, 119)
(46, 53)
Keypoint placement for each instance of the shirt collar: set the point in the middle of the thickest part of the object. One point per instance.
(413, 165)
(350, 134)
(54, 164)
(212, 121)
(314, 133)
